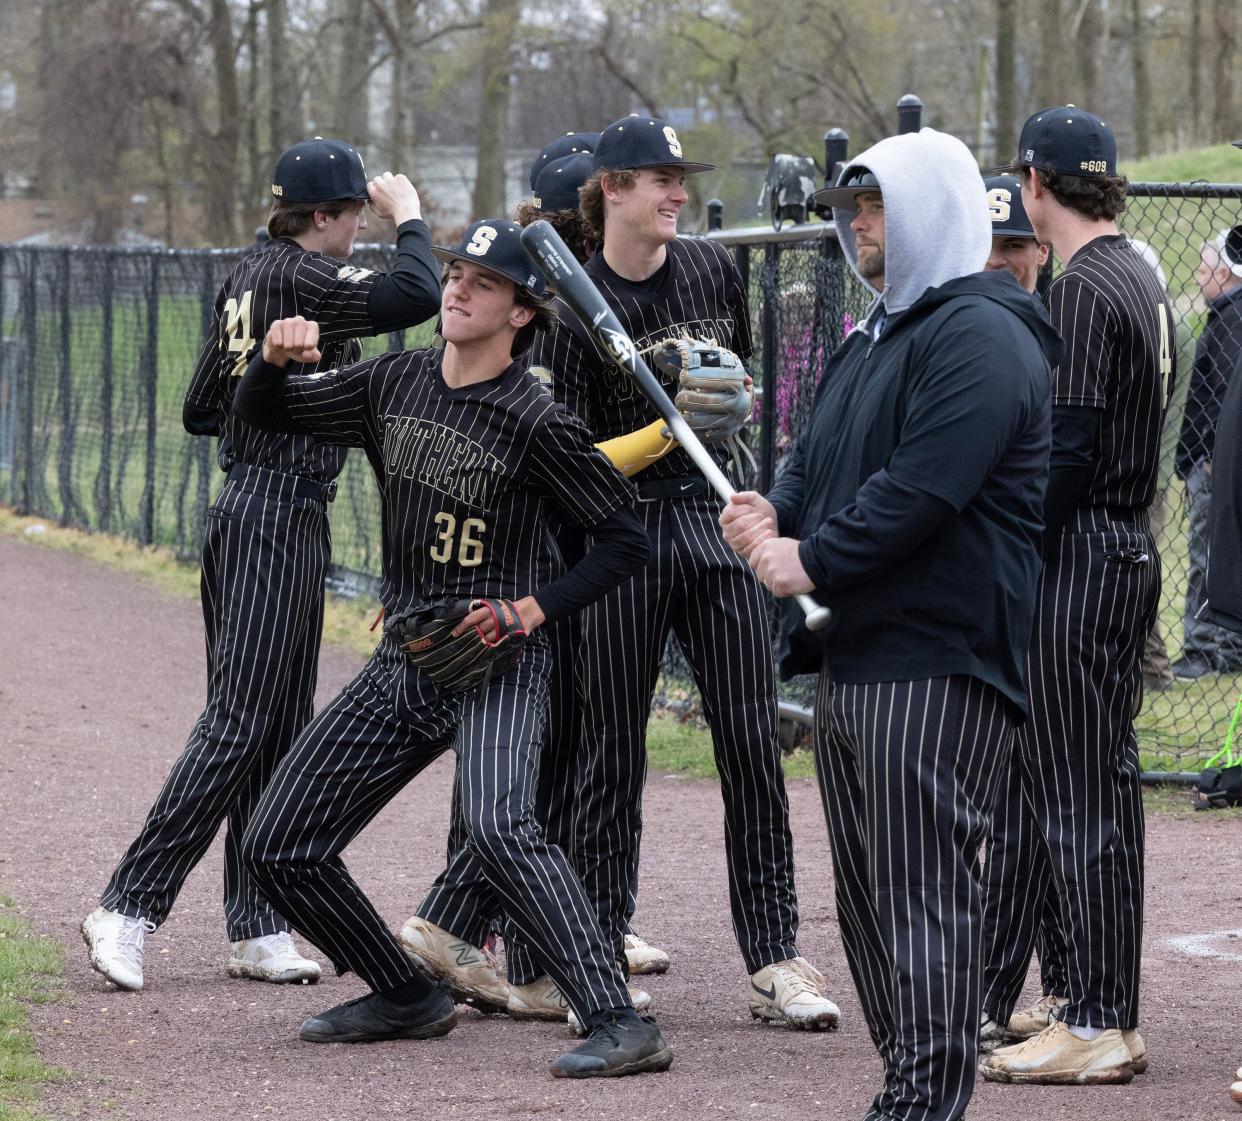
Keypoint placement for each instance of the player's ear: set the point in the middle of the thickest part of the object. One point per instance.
(1044, 250)
(520, 316)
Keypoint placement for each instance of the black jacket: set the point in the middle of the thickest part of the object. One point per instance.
(1224, 574)
(1217, 353)
(917, 491)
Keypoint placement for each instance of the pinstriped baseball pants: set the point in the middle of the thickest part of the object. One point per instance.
(1078, 759)
(908, 772)
(384, 728)
(265, 555)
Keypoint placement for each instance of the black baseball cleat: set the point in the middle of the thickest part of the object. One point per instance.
(373, 1017)
(625, 1043)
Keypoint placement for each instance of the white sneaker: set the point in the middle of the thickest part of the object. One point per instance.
(1027, 1022)
(638, 998)
(542, 999)
(274, 958)
(1235, 1091)
(643, 957)
(1058, 1057)
(468, 972)
(115, 943)
(792, 992)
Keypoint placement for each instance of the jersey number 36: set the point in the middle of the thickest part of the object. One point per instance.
(460, 544)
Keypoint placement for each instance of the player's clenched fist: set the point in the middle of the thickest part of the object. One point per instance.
(394, 196)
(779, 568)
(748, 519)
(291, 340)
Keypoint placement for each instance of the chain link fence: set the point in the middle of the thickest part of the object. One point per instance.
(98, 346)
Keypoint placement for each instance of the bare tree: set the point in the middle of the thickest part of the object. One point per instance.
(1224, 57)
(1049, 74)
(1006, 133)
(500, 22)
(1142, 80)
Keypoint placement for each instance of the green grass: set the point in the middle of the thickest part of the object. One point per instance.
(29, 966)
(1221, 163)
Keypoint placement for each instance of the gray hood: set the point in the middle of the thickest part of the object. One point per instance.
(936, 224)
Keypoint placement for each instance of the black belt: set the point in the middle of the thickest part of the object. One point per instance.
(301, 486)
(683, 486)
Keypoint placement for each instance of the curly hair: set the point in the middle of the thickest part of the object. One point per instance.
(1100, 198)
(570, 224)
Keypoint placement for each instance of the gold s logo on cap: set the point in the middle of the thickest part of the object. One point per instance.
(674, 145)
(998, 204)
(482, 240)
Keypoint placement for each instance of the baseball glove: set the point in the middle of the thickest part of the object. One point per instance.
(711, 387)
(458, 664)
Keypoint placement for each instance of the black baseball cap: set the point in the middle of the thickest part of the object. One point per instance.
(496, 245)
(634, 142)
(571, 144)
(319, 170)
(556, 186)
(1067, 140)
(1005, 206)
(852, 182)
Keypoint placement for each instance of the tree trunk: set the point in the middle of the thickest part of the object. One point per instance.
(221, 170)
(402, 97)
(1224, 32)
(1194, 68)
(1086, 50)
(1142, 80)
(1006, 133)
(350, 107)
(499, 25)
(259, 169)
(283, 125)
(1049, 86)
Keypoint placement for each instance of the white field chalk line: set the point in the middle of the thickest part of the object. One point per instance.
(1202, 945)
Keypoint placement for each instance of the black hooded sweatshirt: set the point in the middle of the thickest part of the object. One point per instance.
(917, 491)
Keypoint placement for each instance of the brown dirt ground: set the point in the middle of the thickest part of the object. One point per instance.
(101, 678)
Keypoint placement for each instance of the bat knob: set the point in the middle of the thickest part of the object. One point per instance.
(818, 619)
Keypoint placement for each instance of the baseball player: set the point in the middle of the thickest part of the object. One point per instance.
(1025, 900)
(911, 505)
(265, 552)
(662, 287)
(1078, 755)
(471, 453)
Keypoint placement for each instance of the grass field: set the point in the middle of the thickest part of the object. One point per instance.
(29, 967)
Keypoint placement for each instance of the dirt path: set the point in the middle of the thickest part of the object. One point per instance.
(101, 678)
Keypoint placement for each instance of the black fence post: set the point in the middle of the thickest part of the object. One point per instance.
(146, 532)
(31, 330)
(715, 214)
(103, 488)
(64, 465)
(909, 114)
(771, 286)
(836, 152)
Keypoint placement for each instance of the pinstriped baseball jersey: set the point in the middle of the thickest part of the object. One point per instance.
(697, 292)
(466, 474)
(277, 282)
(1114, 316)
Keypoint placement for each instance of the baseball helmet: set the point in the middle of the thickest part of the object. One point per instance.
(319, 170)
(495, 244)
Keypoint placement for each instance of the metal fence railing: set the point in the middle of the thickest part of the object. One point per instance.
(98, 345)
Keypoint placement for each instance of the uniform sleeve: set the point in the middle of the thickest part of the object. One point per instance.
(206, 404)
(566, 465)
(1084, 319)
(410, 293)
(566, 363)
(334, 295)
(963, 413)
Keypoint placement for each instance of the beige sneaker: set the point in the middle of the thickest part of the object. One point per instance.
(992, 1035)
(1027, 1022)
(1138, 1050)
(273, 958)
(792, 992)
(543, 1000)
(643, 957)
(1235, 1091)
(468, 972)
(1056, 1056)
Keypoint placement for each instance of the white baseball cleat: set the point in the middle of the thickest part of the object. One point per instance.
(642, 957)
(468, 972)
(792, 992)
(273, 957)
(1058, 1057)
(1027, 1022)
(115, 944)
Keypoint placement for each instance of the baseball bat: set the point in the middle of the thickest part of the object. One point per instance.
(572, 284)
